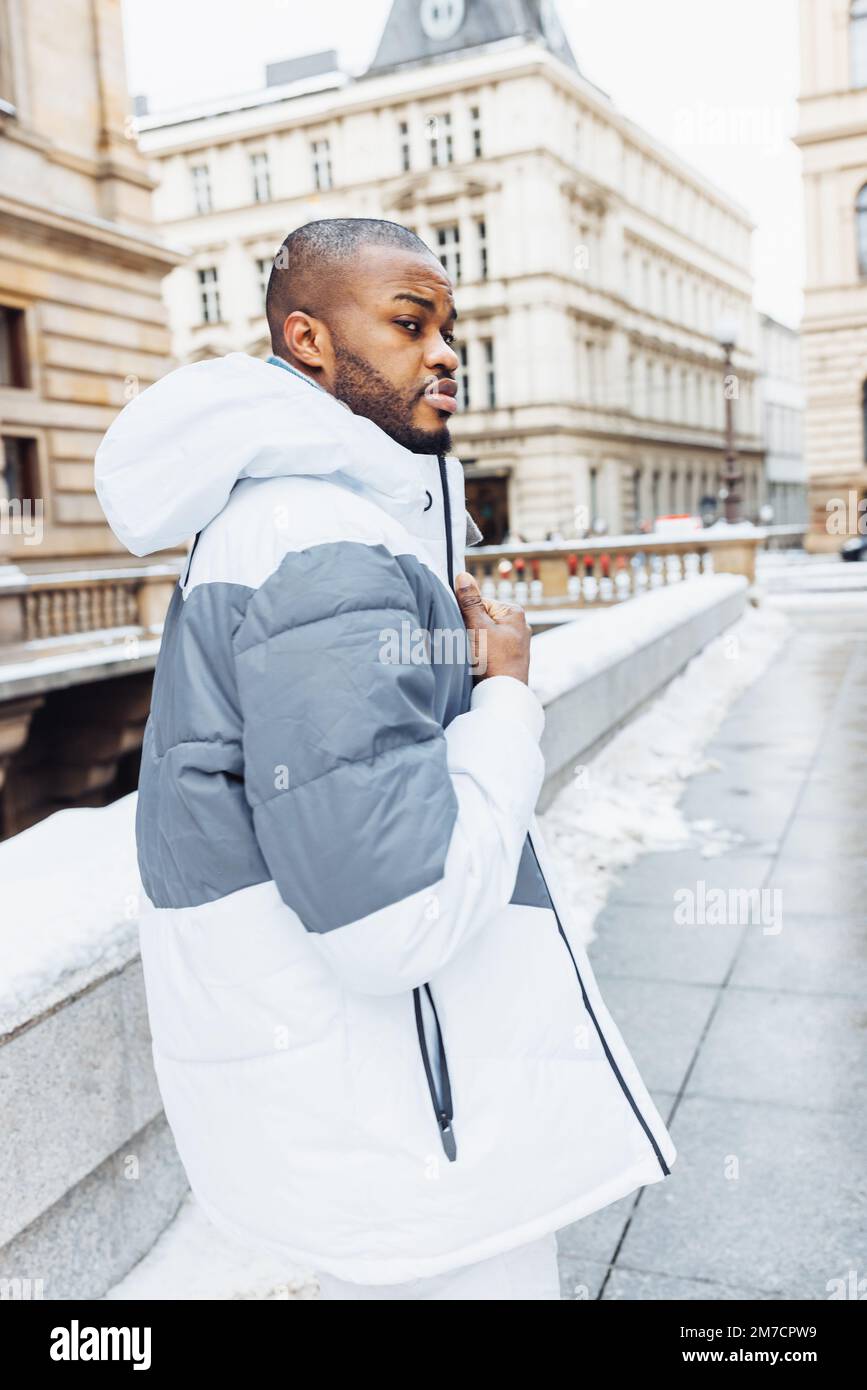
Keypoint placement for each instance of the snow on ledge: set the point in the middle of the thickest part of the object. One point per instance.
(565, 657)
(71, 896)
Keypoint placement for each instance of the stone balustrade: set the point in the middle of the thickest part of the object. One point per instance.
(599, 572)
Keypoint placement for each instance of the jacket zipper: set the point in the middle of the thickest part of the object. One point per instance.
(443, 1109)
(587, 1005)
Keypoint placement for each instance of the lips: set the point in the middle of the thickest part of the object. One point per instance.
(441, 394)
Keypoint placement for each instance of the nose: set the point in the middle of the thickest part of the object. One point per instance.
(444, 356)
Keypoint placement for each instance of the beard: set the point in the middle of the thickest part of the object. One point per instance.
(367, 392)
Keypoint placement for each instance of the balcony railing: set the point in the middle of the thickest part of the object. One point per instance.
(594, 573)
(42, 608)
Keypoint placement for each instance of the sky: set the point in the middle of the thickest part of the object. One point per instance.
(716, 82)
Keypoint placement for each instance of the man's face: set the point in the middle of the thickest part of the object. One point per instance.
(391, 357)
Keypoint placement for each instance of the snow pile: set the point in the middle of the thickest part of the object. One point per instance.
(569, 655)
(193, 1260)
(71, 896)
(625, 802)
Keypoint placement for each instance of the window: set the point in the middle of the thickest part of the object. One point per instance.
(858, 43)
(594, 494)
(264, 266)
(201, 180)
(18, 478)
(209, 293)
(636, 499)
(403, 145)
(640, 387)
(592, 358)
(654, 492)
(13, 349)
(448, 242)
(861, 230)
(482, 234)
(864, 419)
(476, 131)
(439, 128)
(7, 83)
(321, 152)
(261, 177)
(463, 377)
(490, 374)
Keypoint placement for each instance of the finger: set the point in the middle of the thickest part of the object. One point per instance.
(471, 603)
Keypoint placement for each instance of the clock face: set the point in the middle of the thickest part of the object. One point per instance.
(441, 18)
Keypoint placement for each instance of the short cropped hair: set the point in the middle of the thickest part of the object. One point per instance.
(311, 262)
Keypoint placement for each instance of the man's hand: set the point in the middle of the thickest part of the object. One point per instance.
(499, 634)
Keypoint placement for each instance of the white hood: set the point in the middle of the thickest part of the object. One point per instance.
(168, 463)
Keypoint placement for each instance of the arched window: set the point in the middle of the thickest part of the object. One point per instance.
(861, 230)
(858, 43)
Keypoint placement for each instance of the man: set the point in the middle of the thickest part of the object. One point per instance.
(380, 1046)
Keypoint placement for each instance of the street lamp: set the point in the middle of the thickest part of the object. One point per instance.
(726, 336)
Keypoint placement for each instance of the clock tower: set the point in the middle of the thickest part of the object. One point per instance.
(421, 31)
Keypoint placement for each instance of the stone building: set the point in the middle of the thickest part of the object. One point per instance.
(82, 327)
(832, 136)
(781, 393)
(592, 266)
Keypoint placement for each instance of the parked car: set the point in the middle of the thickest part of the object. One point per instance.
(854, 549)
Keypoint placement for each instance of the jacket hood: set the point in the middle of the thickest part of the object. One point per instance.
(168, 463)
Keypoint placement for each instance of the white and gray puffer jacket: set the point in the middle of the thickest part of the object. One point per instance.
(380, 1046)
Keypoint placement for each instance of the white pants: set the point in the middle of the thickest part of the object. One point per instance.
(528, 1272)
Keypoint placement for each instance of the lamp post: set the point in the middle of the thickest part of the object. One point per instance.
(730, 477)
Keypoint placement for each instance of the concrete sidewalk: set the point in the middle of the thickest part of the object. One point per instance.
(751, 1039)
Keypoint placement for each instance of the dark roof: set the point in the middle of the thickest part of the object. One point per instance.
(404, 40)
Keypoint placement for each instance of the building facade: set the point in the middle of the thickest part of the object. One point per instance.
(591, 265)
(82, 327)
(832, 136)
(781, 392)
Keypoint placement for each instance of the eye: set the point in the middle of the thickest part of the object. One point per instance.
(406, 323)
(448, 338)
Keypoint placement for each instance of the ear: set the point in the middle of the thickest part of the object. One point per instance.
(307, 339)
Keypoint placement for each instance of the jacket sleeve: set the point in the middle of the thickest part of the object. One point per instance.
(395, 840)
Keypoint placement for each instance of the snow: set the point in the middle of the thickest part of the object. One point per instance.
(194, 1260)
(133, 648)
(566, 656)
(71, 895)
(625, 802)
